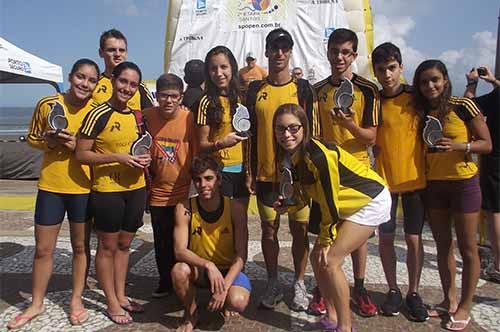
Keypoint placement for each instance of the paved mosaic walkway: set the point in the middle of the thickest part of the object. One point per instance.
(17, 248)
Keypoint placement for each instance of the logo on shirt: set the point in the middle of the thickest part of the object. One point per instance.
(168, 149)
(263, 96)
(102, 89)
(225, 231)
(116, 125)
(197, 231)
(323, 97)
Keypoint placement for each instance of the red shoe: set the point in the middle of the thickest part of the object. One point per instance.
(362, 301)
(317, 305)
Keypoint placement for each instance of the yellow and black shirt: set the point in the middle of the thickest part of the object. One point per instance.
(211, 234)
(229, 156)
(113, 132)
(400, 158)
(60, 171)
(454, 165)
(141, 99)
(366, 113)
(337, 181)
(263, 99)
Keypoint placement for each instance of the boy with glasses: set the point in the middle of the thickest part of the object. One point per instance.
(174, 144)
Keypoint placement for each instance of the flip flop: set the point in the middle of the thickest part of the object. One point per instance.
(79, 317)
(436, 311)
(324, 324)
(133, 307)
(462, 324)
(25, 319)
(113, 317)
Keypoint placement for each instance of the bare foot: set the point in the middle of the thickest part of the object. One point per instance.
(229, 313)
(25, 317)
(189, 323)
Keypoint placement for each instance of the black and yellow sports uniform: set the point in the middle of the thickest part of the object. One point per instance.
(227, 157)
(454, 165)
(211, 234)
(366, 113)
(399, 138)
(451, 175)
(338, 182)
(263, 99)
(230, 159)
(64, 182)
(141, 99)
(119, 190)
(60, 171)
(211, 237)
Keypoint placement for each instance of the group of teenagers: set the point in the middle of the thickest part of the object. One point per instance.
(90, 173)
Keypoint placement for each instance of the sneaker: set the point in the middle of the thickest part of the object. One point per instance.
(416, 307)
(492, 274)
(324, 324)
(392, 303)
(161, 292)
(272, 295)
(363, 302)
(300, 301)
(317, 305)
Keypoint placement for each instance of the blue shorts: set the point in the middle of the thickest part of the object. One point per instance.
(51, 207)
(241, 280)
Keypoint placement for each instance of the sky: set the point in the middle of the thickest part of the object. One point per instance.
(462, 33)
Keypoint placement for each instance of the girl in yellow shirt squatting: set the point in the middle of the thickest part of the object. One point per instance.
(353, 201)
(63, 187)
(452, 191)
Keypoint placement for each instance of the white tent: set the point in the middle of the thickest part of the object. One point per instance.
(19, 66)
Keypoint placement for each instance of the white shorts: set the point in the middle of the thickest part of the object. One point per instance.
(377, 212)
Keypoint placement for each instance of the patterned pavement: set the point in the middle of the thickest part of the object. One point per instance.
(16, 254)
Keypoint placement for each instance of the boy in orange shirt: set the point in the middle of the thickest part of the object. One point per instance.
(174, 145)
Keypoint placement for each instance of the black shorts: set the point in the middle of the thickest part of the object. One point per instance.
(118, 211)
(489, 178)
(413, 214)
(267, 193)
(51, 208)
(234, 185)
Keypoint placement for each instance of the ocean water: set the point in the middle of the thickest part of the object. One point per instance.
(14, 121)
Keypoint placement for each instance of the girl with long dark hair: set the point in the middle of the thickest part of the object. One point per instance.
(452, 191)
